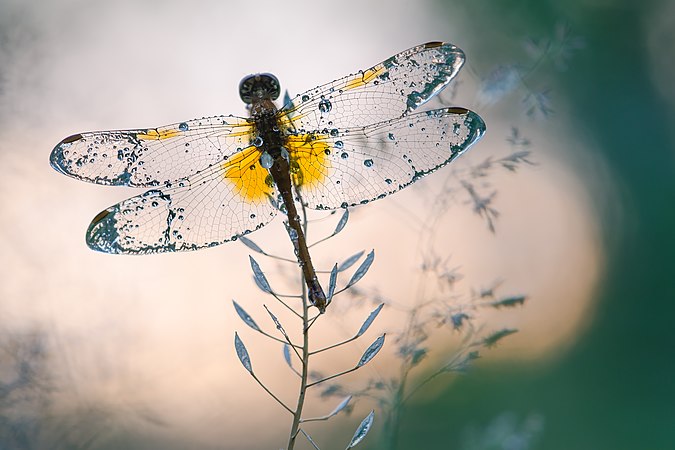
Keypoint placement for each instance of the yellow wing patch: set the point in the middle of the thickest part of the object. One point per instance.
(309, 158)
(154, 134)
(248, 176)
(365, 77)
(309, 165)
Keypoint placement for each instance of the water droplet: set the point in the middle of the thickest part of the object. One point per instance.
(252, 216)
(258, 141)
(344, 205)
(455, 128)
(334, 132)
(339, 144)
(387, 180)
(327, 152)
(183, 126)
(305, 98)
(368, 163)
(155, 204)
(344, 155)
(325, 105)
(391, 137)
(266, 160)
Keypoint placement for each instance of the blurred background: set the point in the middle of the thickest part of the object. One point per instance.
(105, 352)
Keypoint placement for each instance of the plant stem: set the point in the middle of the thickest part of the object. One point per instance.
(392, 422)
(303, 377)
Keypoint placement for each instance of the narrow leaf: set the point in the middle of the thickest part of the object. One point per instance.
(287, 355)
(363, 268)
(248, 320)
(287, 100)
(259, 276)
(362, 430)
(370, 320)
(341, 406)
(276, 322)
(371, 351)
(309, 439)
(242, 353)
(331, 283)
(342, 222)
(509, 302)
(347, 263)
(252, 245)
(458, 320)
(491, 340)
(417, 356)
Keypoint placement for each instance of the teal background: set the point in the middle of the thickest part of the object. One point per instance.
(614, 388)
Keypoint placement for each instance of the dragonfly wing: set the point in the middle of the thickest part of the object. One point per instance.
(151, 156)
(388, 90)
(363, 164)
(215, 206)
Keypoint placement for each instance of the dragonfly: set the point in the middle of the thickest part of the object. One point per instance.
(345, 143)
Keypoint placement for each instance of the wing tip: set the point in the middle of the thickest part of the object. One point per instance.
(447, 45)
(57, 159)
(102, 235)
(72, 138)
(478, 127)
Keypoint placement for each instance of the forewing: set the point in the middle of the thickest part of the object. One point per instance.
(151, 156)
(217, 205)
(386, 91)
(368, 163)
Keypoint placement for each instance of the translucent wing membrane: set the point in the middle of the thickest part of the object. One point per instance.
(386, 91)
(368, 163)
(351, 141)
(212, 207)
(151, 156)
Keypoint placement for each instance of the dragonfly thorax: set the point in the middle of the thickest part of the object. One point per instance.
(268, 135)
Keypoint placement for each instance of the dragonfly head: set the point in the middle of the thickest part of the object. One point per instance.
(260, 86)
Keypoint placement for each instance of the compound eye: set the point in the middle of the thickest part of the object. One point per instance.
(259, 86)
